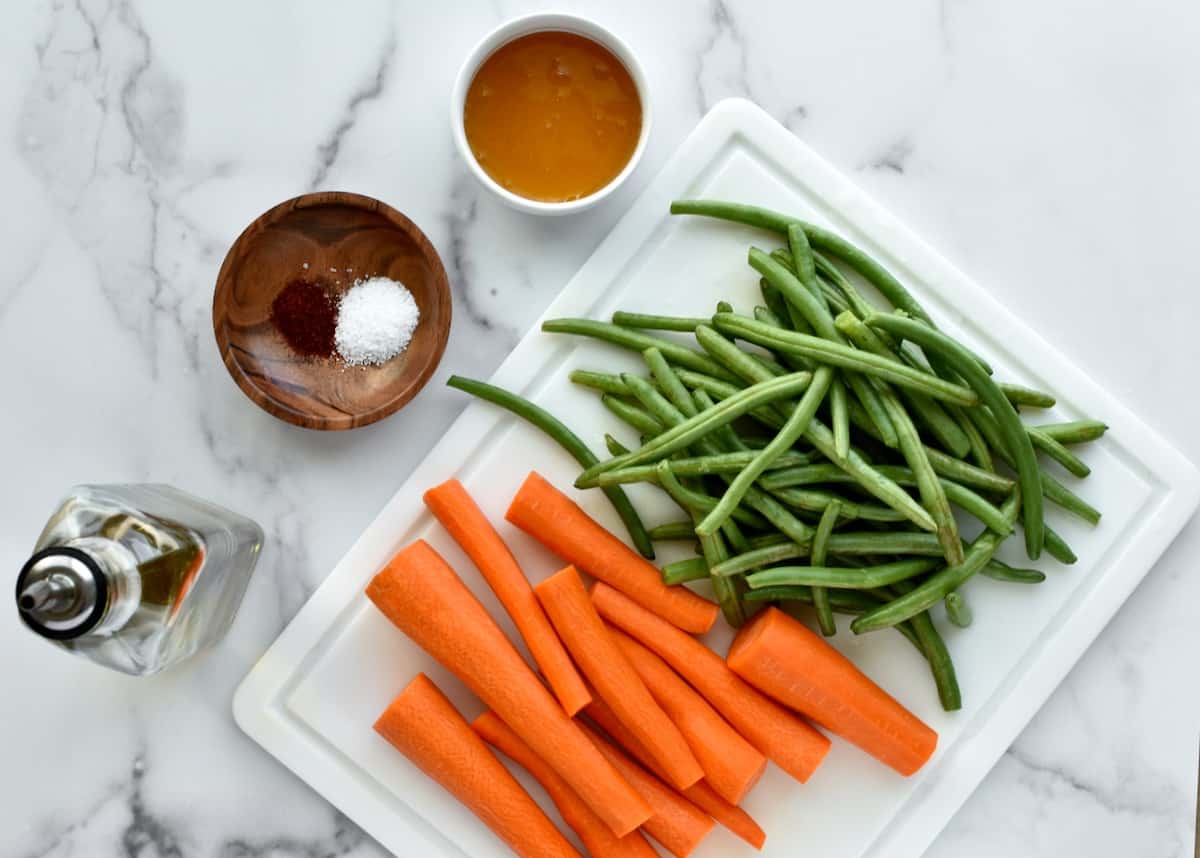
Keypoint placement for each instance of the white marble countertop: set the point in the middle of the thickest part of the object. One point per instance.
(1049, 149)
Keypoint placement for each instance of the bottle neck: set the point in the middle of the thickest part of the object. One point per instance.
(89, 586)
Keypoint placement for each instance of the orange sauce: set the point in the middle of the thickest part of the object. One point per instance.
(552, 116)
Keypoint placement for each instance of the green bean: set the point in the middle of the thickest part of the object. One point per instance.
(699, 382)
(727, 590)
(681, 571)
(773, 300)
(940, 663)
(602, 381)
(566, 439)
(795, 426)
(669, 382)
(700, 466)
(836, 354)
(976, 444)
(636, 341)
(1018, 395)
(1030, 483)
(694, 428)
(934, 588)
(1056, 451)
(839, 416)
(940, 424)
(855, 301)
(1057, 547)
(699, 502)
(802, 260)
(864, 578)
(734, 536)
(821, 437)
(933, 497)
(1003, 572)
(656, 323)
(820, 548)
(840, 544)
(834, 299)
(712, 547)
(1052, 490)
(976, 505)
(629, 413)
(615, 447)
(957, 609)
(1058, 494)
(1074, 431)
(819, 238)
(967, 474)
(870, 479)
(815, 313)
(768, 507)
(673, 530)
(845, 601)
(817, 501)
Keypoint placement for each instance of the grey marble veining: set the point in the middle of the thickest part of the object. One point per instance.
(1048, 149)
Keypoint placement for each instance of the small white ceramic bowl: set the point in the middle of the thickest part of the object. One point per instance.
(523, 26)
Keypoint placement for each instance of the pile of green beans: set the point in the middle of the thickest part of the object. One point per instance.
(826, 450)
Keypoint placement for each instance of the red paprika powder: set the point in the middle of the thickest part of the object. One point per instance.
(306, 317)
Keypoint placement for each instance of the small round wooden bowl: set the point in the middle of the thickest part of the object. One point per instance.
(334, 238)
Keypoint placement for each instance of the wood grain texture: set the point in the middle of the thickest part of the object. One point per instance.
(342, 237)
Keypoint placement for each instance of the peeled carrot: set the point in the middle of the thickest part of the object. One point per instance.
(700, 793)
(424, 726)
(557, 522)
(781, 657)
(592, 830)
(779, 733)
(421, 594)
(461, 516)
(612, 676)
(731, 764)
(677, 823)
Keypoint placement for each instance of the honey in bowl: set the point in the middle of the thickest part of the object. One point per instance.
(552, 116)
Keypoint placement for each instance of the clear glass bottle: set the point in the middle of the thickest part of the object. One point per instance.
(137, 577)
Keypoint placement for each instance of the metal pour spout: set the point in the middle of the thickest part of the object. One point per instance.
(53, 594)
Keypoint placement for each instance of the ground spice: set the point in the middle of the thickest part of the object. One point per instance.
(306, 317)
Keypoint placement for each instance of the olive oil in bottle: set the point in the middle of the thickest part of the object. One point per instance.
(137, 577)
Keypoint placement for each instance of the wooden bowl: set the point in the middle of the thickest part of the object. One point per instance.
(335, 238)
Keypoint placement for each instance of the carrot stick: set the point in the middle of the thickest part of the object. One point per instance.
(557, 522)
(677, 823)
(779, 656)
(592, 830)
(731, 764)
(465, 521)
(700, 793)
(421, 594)
(783, 737)
(613, 677)
(423, 725)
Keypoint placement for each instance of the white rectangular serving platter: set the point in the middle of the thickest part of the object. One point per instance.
(312, 698)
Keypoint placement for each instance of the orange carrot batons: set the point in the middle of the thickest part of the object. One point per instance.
(782, 658)
(677, 823)
(423, 596)
(464, 520)
(592, 830)
(613, 677)
(700, 793)
(731, 764)
(557, 522)
(780, 734)
(423, 725)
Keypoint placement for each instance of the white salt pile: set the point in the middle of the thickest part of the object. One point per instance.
(376, 320)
